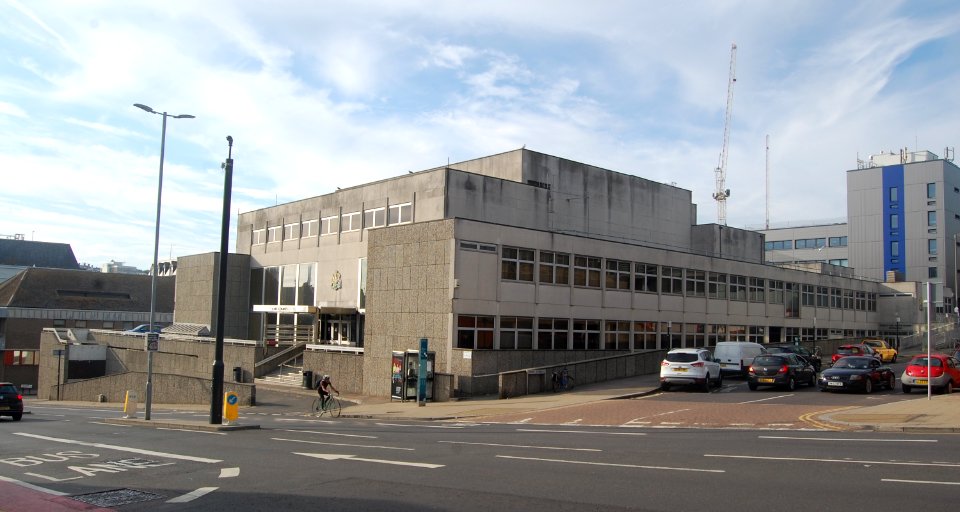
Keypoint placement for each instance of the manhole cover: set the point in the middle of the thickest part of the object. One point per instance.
(116, 497)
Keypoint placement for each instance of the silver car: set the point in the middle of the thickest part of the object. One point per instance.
(685, 366)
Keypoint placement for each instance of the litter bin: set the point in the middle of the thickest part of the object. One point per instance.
(237, 374)
(308, 379)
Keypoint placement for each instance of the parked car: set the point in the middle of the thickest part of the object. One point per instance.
(854, 350)
(144, 328)
(11, 401)
(888, 354)
(736, 356)
(784, 369)
(686, 366)
(944, 373)
(800, 350)
(863, 373)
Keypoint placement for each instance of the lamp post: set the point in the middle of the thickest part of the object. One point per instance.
(151, 348)
(898, 334)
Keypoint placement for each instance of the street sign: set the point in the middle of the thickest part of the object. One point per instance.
(58, 352)
(231, 406)
(153, 341)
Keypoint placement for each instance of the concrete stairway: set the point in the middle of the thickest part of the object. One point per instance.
(283, 376)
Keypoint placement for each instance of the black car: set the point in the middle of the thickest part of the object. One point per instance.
(861, 373)
(801, 351)
(11, 401)
(786, 370)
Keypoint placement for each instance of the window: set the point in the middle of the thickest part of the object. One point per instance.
(350, 222)
(23, 358)
(474, 332)
(288, 284)
(307, 283)
(274, 233)
(586, 271)
(516, 333)
(554, 268)
(894, 221)
(823, 297)
(791, 300)
(932, 272)
(757, 285)
(329, 225)
(400, 214)
(552, 333)
(717, 286)
(779, 245)
(811, 243)
(375, 218)
(738, 288)
(290, 231)
(716, 333)
(644, 335)
(107, 325)
(80, 324)
(737, 332)
(58, 322)
(671, 280)
(848, 299)
(309, 228)
(836, 298)
(932, 246)
(861, 298)
(776, 292)
(696, 335)
(871, 301)
(616, 335)
(807, 296)
(842, 262)
(477, 246)
(931, 219)
(894, 249)
(259, 236)
(645, 278)
(670, 336)
(837, 241)
(696, 283)
(894, 195)
(756, 333)
(586, 334)
(931, 190)
(516, 264)
(618, 275)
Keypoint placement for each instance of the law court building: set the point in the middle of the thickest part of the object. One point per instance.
(522, 259)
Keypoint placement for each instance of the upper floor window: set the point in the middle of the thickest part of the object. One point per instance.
(756, 289)
(329, 225)
(259, 236)
(931, 190)
(618, 275)
(309, 228)
(778, 245)
(894, 195)
(517, 264)
(932, 246)
(671, 280)
(400, 214)
(586, 271)
(273, 233)
(350, 222)
(696, 283)
(811, 243)
(290, 231)
(894, 221)
(375, 218)
(554, 268)
(717, 286)
(837, 241)
(894, 248)
(738, 288)
(645, 278)
(931, 218)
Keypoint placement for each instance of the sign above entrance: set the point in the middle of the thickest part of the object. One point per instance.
(273, 308)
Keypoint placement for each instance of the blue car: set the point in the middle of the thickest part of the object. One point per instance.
(143, 328)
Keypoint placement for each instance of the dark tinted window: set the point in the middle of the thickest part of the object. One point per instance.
(769, 361)
(859, 363)
(922, 361)
(9, 388)
(681, 357)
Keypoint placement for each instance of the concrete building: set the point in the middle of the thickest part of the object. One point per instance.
(522, 259)
(820, 243)
(18, 253)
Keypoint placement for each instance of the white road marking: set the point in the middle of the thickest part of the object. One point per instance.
(655, 415)
(31, 486)
(846, 461)
(419, 426)
(302, 420)
(672, 422)
(109, 424)
(525, 446)
(335, 456)
(229, 472)
(192, 431)
(918, 481)
(581, 432)
(121, 448)
(763, 399)
(521, 422)
(53, 479)
(573, 422)
(192, 495)
(613, 465)
(328, 433)
(848, 440)
(341, 444)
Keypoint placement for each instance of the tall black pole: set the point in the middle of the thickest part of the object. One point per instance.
(216, 401)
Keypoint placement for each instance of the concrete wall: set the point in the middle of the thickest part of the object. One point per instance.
(726, 242)
(589, 371)
(792, 234)
(167, 389)
(196, 292)
(409, 283)
(344, 368)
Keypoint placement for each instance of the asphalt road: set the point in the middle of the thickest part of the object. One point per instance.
(301, 463)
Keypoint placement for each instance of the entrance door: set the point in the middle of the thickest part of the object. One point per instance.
(340, 332)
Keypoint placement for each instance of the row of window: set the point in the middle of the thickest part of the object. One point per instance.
(894, 192)
(323, 226)
(21, 358)
(895, 247)
(806, 243)
(555, 268)
(479, 332)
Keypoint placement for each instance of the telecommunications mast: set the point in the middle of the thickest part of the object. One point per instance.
(722, 192)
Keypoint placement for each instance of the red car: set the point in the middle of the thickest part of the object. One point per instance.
(854, 350)
(944, 373)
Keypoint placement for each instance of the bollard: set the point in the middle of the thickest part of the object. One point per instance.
(231, 406)
(130, 405)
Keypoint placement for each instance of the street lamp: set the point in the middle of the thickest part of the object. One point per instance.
(151, 348)
(898, 334)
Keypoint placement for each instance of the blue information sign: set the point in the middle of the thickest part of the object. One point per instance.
(422, 374)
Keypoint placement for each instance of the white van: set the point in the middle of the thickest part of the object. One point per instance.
(736, 356)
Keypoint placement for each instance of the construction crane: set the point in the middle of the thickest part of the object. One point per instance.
(722, 192)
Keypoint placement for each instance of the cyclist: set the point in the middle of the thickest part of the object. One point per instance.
(324, 391)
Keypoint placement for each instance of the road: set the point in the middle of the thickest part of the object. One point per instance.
(301, 463)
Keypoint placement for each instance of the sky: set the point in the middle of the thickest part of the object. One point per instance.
(323, 94)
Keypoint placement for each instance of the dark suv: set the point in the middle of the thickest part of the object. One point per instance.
(798, 350)
(11, 401)
(786, 370)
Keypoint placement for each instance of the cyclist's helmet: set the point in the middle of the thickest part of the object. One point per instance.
(326, 378)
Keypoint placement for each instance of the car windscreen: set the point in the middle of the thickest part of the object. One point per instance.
(769, 361)
(858, 363)
(848, 350)
(922, 361)
(681, 357)
(5, 389)
(777, 350)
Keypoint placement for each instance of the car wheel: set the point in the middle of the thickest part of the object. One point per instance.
(868, 386)
(665, 387)
(792, 384)
(706, 384)
(16, 417)
(894, 360)
(905, 388)
(813, 380)
(948, 388)
(891, 382)
(719, 380)
(752, 386)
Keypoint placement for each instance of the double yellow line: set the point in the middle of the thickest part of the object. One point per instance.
(808, 418)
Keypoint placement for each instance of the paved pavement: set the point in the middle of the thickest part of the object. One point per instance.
(915, 413)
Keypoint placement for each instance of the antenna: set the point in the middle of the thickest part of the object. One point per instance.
(768, 182)
(722, 192)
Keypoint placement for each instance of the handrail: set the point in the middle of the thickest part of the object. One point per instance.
(298, 348)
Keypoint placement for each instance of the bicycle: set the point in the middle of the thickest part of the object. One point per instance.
(561, 380)
(332, 407)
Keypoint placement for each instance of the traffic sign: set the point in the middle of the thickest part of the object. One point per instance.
(153, 341)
